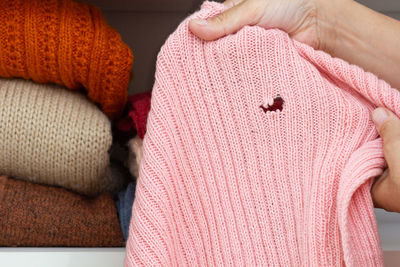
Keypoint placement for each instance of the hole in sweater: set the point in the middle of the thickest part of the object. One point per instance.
(273, 104)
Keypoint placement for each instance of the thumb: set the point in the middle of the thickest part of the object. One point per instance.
(388, 125)
(230, 21)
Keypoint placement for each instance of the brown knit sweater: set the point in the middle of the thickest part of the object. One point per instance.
(34, 215)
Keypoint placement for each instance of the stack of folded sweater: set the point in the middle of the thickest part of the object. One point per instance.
(55, 142)
(132, 127)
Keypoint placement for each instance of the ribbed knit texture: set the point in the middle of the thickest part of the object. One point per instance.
(223, 183)
(34, 215)
(53, 136)
(68, 43)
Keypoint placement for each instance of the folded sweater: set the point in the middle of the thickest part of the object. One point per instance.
(33, 215)
(259, 151)
(124, 206)
(53, 136)
(134, 121)
(68, 43)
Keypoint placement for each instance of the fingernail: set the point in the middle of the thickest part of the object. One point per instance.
(379, 116)
(200, 21)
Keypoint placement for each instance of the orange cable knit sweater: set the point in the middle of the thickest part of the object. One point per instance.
(68, 43)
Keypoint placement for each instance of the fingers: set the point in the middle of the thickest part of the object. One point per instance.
(227, 22)
(388, 125)
(386, 193)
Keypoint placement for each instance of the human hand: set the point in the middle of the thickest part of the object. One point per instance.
(386, 189)
(304, 20)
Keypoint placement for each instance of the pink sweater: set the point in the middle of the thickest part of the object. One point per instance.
(227, 181)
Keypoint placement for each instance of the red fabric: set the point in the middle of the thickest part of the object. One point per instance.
(136, 113)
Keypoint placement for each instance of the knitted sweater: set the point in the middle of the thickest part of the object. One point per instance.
(34, 215)
(135, 119)
(68, 43)
(53, 136)
(259, 151)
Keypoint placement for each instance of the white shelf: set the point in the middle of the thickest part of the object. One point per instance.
(62, 257)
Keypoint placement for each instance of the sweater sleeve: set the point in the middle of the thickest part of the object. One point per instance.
(374, 90)
(355, 205)
(150, 239)
(359, 236)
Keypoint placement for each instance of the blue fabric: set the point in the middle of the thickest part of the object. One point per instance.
(124, 205)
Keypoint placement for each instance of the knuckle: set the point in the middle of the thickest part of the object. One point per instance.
(221, 20)
(255, 10)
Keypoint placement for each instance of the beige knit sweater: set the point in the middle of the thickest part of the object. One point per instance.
(53, 136)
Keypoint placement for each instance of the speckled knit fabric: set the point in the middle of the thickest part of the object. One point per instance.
(227, 181)
(68, 43)
(53, 136)
(34, 215)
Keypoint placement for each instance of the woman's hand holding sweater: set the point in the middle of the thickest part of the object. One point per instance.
(342, 28)
(299, 18)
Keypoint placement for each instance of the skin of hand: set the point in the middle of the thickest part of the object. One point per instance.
(297, 17)
(386, 188)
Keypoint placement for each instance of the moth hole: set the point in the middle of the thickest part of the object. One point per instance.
(276, 105)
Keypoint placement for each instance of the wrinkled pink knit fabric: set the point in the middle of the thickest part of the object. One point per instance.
(224, 183)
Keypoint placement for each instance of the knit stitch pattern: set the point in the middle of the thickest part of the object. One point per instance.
(53, 136)
(34, 215)
(225, 182)
(137, 110)
(68, 43)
